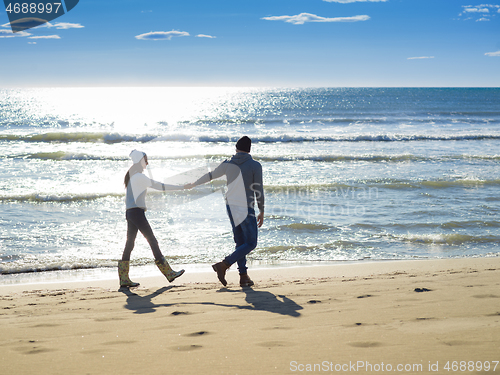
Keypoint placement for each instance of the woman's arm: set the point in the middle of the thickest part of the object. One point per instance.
(161, 186)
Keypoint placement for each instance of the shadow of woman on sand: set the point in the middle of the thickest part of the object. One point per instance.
(144, 304)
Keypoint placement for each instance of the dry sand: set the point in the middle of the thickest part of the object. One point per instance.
(415, 316)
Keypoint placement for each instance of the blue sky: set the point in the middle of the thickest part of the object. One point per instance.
(272, 43)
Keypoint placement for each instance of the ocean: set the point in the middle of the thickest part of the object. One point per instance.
(350, 175)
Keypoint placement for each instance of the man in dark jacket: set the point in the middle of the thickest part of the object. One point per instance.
(244, 187)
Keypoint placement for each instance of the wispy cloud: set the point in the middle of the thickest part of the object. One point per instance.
(60, 26)
(479, 9)
(205, 36)
(302, 18)
(10, 34)
(45, 37)
(420, 57)
(67, 25)
(355, 1)
(161, 35)
(482, 12)
(497, 53)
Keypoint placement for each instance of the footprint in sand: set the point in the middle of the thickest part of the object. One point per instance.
(460, 343)
(198, 334)
(180, 313)
(33, 347)
(365, 344)
(365, 296)
(124, 342)
(186, 348)
(420, 290)
(274, 344)
(486, 296)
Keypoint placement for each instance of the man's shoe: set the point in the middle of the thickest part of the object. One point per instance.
(221, 269)
(245, 280)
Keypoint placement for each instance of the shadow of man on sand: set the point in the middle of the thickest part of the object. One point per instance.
(266, 301)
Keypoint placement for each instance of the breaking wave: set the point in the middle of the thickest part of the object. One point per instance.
(109, 138)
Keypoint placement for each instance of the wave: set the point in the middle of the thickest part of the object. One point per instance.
(62, 155)
(360, 190)
(453, 239)
(304, 227)
(21, 267)
(363, 187)
(84, 137)
(326, 158)
(63, 198)
(450, 225)
(65, 155)
(47, 264)
(377, 158)
(110, 138)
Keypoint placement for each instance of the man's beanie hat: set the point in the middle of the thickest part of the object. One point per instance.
(244, 144)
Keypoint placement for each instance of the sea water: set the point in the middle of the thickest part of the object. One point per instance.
(350, 174)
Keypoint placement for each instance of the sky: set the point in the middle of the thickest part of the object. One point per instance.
(258, 43)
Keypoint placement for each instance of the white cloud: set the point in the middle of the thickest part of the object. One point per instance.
(10, 34)
(205, 36)
(67, 25)
(59, 26)
(476, 10)
(302, 18)
(497, 53)
(355, 1)
(482, 11)
(45, 37)
(161, 35)
(420, 57)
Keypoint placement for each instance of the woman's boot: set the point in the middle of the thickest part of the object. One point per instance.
(123, 268)
(165, 268)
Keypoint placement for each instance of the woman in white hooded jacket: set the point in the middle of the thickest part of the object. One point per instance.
(137, 184)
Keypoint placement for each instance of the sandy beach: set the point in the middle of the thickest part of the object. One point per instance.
(436, 316)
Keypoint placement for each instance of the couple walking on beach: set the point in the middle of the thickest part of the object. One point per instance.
(244, 187)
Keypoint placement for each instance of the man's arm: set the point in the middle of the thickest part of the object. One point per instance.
(260, 219)
(216, 173)
(258, 188)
